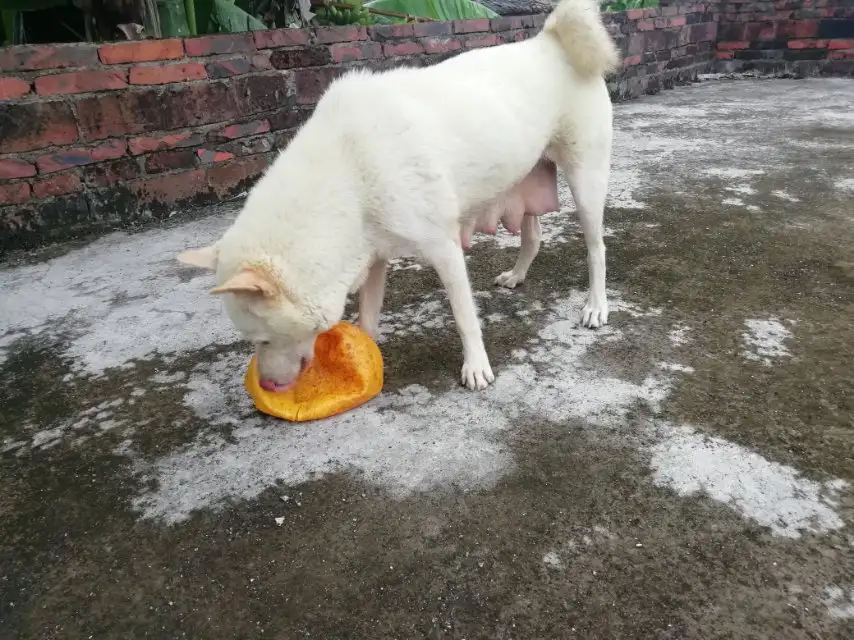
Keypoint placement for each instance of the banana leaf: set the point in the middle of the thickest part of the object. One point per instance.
(444, 10)
(173, 18)
(223, 16)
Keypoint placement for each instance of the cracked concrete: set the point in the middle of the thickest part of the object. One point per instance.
(686, 472)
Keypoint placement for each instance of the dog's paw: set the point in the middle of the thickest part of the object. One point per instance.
(509, 279)
(477, 374)
(595, 314)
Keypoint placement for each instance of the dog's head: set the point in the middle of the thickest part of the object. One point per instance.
(280, 324)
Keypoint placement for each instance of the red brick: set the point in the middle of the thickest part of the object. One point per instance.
(732, 46)
(471, 26)
(209, 156)
(14, 168)
(486, 41)
(841, 54)
(81, 82)
(170, 160)
(300, 58)
(225, 177)
(248, 146)
(230, 67)
(841, 44)
(348, 52)
(432, 29)
(221, 43)
(169, 188)
(646, 25)
(242, 130)
(403, 49)
(107, 173)
(59, 160)
(168, 73)
(724, 55)
(391, 31)
(47, 56)
(261, 61)
(281, 38)
(146, 144)
(441, 45)
(142, 51)
(634, 14)
(181, 106)
(311, 83)
(797, 29)
(57, 185)
(631, 61)
(288, 119)
(806, 44)
(35, 125)
(505, 24)
(679, 21)
(328, 35)
(11, 88)
(14, 193)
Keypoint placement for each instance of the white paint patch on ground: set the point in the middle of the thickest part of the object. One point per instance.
(405, 264)
(785, 195)
(765, 340)
(678, 335)
(734, 202)
(672, 366)
(119, 299)
(733, 173)
(839, 602)
(415, 440)
(844, 184)
(552, 560)
(405, 441)
(741, 189)
(774, 495)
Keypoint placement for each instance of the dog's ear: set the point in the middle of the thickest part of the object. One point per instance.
(204, 258)
(249, 281)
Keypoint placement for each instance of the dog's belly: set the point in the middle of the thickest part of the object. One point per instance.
(535, 195)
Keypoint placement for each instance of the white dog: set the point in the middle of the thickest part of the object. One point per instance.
(412, 161)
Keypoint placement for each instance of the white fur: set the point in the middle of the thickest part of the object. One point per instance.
(391, 163)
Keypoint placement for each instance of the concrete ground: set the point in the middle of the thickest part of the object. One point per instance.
(685, 472)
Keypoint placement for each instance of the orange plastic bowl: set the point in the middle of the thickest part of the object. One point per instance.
(347, 371)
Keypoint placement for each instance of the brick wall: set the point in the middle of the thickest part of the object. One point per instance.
(662, 47)
(787, 37)
(97, 137)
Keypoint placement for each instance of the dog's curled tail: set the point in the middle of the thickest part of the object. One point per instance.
(578, 26)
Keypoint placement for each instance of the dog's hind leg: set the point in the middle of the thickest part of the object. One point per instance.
(371, 298)
(589, 185)
(447, 258)
(532, 235)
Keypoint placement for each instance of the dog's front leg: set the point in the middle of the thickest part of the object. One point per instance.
(371, 298)
(448, 260)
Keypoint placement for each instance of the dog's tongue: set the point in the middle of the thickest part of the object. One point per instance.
(269, 385)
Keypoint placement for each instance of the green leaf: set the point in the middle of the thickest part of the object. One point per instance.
(173, 18)
(443, 10)
(223, 16)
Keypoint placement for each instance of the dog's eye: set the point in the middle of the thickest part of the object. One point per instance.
(263, 343)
